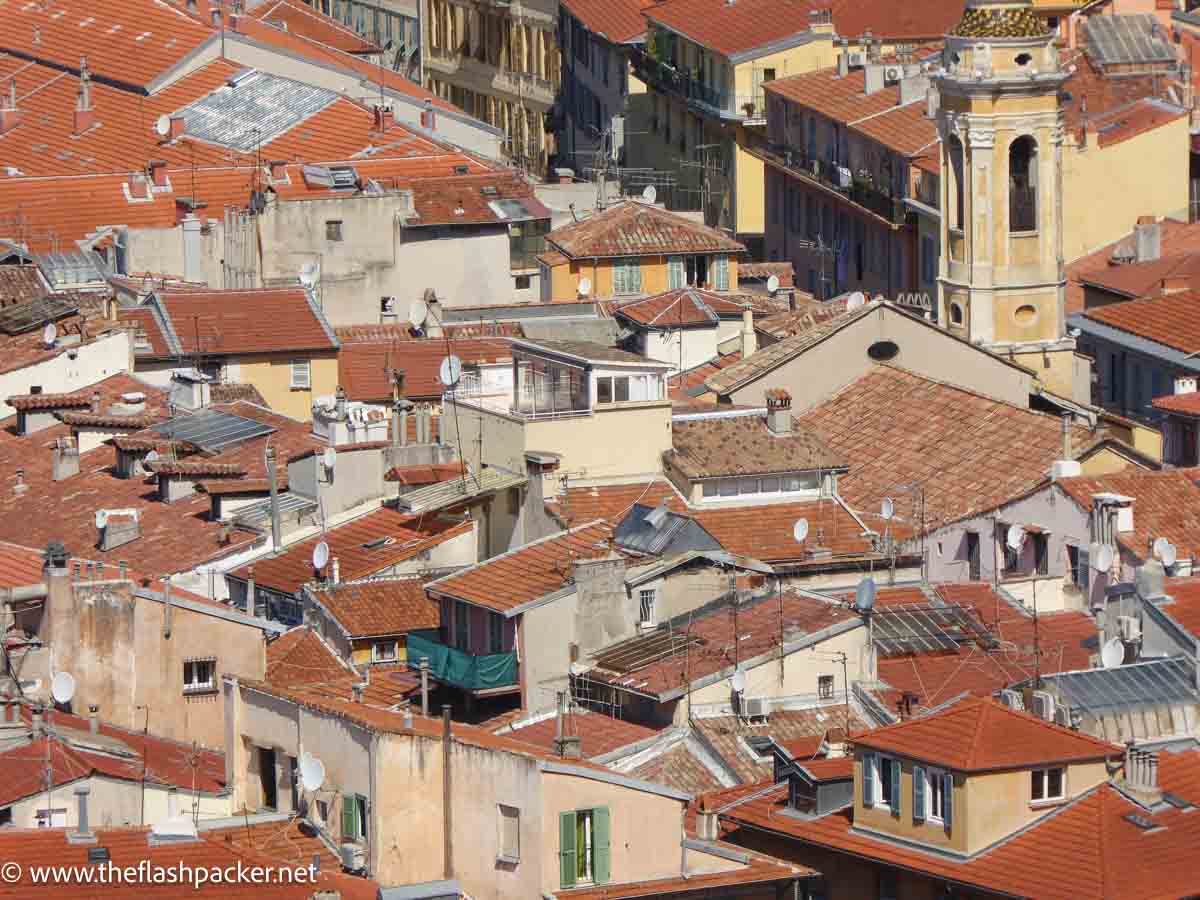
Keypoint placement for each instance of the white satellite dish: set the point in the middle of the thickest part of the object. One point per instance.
(163, 125)
(650, 194)
(1112, 654)
(1015, 537)
(887, 509)
(101, 518)
(309, 273)
(585, 286)
(450, 371)
(329, 458)
(864, 595)
(1103, 559)
(152, 456)
(418, 313)
(49, 333)
(312, 772)
(738, 681)
(1168, 555)
(772, 284)
(855, 300)
(800, 530)
(320, 555)
(62, 687)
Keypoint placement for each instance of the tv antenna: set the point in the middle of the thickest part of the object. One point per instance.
(887, 509)
(62, 688)
(657, 516)
(1015, 537)
(864, 595)
(450, 371)
(1165, 551)
(418, 312)
(1102, 559)
(585, 284)
(49, 334)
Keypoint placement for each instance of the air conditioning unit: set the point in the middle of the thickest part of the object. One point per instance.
(1011, 699)
(353, 857)
(756, 708)
(892, 73)
(1130, 627)
(1062, 715)
(856, 59)
(1043, 705)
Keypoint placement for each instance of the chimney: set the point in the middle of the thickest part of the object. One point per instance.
(278, 169)
(336, 571)
(10, 115)
(192, 7)
(358, 688)
(843, 60)
(779, 411)
(428, 116)
(139, 186)
(276, 540)
(85, 112)
(83, 832)
(36, 728)
(94, 719)
(1065, 467)
(20, 487)
(1147, 238)
(707, 823)
(749, 338)
(383, 118)
(1141, 775)
(233, 21)
(157, 169)
(566, 746)
(250, 589)
(172, 802)
(65, 462)
(95, 406)
(117, 529)
(340, 402)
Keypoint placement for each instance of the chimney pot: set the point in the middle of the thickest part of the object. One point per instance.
(158, 172)
(278, 168)
(20, 487)
(779, 411)
(83, 831)
(94, 719)
(178, 126)
(95, 406)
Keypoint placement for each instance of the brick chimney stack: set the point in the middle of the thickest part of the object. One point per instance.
(85, 111)
(10, 115)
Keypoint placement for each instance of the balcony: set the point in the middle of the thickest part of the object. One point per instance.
(667, 79)
(485, 674)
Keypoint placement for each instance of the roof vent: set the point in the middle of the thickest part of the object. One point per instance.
(461, 170)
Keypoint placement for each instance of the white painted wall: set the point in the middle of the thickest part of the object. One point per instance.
(73, 369)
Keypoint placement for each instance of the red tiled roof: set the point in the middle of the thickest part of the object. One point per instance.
(599, 734)
(759, 871)
(1175, 238)
(804, 729)
(292, 842)
(764, 532)
(147, 328)
(745, 445)
(1138, 280)
(835, 769)
(804, 318)
(1185, 404)
(633, 228)
(1172, 320)
(1166, 504)
(19, 284)
(967, 452)
(612, 501)
(929, 19)
(408, 536)
(1184, 605)
(507, 581)
(461, 200)
(621, 22)
(682, 386)
(362, 365)
(384, 606)
(299, 656)
(982, 735)
(415, 475)
(679, 768)
(266, 320)
(30, 402)
(304, 20)
(784, 271)
(392, 332)
(679, 307)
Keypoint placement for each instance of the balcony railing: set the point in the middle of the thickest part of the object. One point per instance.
(668, 79)
(468, 671)
(857, 188)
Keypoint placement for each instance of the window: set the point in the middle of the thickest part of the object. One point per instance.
(646, 598)
(333, 229)
(973, 555)
(1012, 558)
(52, 818)
(510, 833)
(584, 846)
(825, 687)
(957, 183)
(462, 627)
(675, 275)
(6, 817)
(524, 282)
(1022, 184)
(627, 276)
(711, 489)
(301, 374)
(1046, 784)
(956, 314)
(354, 817)
(1041, 553)
(612, 389)
(881, 782)
(384, 651)
(199, 676)
(526, 241)
(721, 270)
(495, 633)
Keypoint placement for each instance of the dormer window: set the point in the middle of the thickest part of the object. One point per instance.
(881, 782)
(1047, 785)
(933, 796)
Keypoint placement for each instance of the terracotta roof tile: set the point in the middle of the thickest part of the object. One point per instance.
(612, 501)
(466, 200)
(784, 271)
(232, 392)
(505, 582)
(383, 333)
(801, 320)
(420, 475)
(764, 532)
(621, 22)
(632, 228)
(362, 365)
(1175, 238)
(299, 656)
(1183, 404)
(679, 768)
(599, 734)
(304, 20)
(745, 445)
(1172, 320)
(1139, 280)
(678, 308)
(19, 284)
(800, 728)
(384, 606)
(759, 871)
(1184, 605)
(683, 386)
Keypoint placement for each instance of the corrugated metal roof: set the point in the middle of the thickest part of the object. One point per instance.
(1126, 40)
(258, 110)
(679, 533)
(454, 491)
(257, 515)
(1154, 683)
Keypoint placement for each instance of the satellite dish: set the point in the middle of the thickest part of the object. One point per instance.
(585, 286)
(1112, 654)
(738, 680)
(163, 125)
(772, 283)
(888, 508)
(101, 518)
(855, 300)
(49, 333)
(62, 687)
(864, 595)
(152, 456)
(329, 458)
(1103, 559)
(450, 371)
(320, 555)
(309, 273)
(418, 313)
(650, 194)
(1168, 555)
(312, 772)
(1015, 537)
(800, 530)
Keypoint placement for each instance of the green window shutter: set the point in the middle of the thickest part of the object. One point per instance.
(948, 798)
(722, 279)
(601, 845)
(566, 848)
(918, 794)
(674, 273)
(868, 779)
(349, 818)
(635, 276)
(895, 798)
(618, 276)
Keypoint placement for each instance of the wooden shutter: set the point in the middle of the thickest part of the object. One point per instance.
(947, 798)
(601, 845)
(566, 849)
(894, 800)
(349, 818)
(918, 812)
(868, 780)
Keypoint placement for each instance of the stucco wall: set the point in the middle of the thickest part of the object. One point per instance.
(115, 803)
(697, 345)
(880, 818)
(92, 362)
(272, 375)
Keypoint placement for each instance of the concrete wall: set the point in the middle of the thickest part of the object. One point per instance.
(71, 370)
(827, 367)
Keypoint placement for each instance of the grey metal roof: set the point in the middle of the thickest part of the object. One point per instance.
(75, 267)
(1127, 40)
(586, 351)
(258, 110)
(1157, 682)
(677, 533)
(211, 429)
(429, 890)
(458, 490)
(258, 514)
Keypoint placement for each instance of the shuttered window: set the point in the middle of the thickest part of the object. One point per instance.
(301, 373)
(585, 847)
(675, 274)
(918, 779)
(627, 276)
(722, 277)
(868, 779)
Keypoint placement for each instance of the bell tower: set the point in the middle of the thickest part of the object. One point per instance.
(1002, 279)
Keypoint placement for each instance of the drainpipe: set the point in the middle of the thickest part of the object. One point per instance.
(447, 810)
(167, 607)
(425, 686)
(271, 481)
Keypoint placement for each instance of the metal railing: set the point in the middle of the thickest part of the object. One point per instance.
(686, 84)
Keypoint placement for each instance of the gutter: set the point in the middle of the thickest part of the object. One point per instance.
(229, 615)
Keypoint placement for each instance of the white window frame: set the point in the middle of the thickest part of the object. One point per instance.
(194, 685)
(755, 486)
(377, 656)
(824, 681)
(883, 799)
(644, 595)
(301, 365)
(506, 854)
(1045, 773)
(935, 779)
